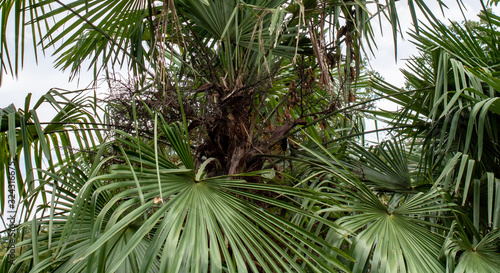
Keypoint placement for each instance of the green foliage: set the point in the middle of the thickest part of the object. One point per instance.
(238, 146)
(451, 119)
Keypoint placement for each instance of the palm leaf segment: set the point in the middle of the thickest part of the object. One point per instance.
(395, 239)
(464, 256)
(386, 233)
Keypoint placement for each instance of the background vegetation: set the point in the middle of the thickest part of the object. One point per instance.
(238, 143)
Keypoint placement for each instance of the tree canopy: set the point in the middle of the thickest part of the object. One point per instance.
(238, 142)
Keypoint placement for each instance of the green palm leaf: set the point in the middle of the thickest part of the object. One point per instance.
(463, 256)
(398, 233)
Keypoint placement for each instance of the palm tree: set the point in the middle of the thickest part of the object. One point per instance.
(225, 59)
(234, 146)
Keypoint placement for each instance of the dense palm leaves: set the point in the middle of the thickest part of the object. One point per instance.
(148, 215)
(454, 113)
(33, 147)
(235, 148)
(451, 121)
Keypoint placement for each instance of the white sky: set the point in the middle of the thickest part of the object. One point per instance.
(38, 80)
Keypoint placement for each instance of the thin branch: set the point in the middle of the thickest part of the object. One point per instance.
(342, 110)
